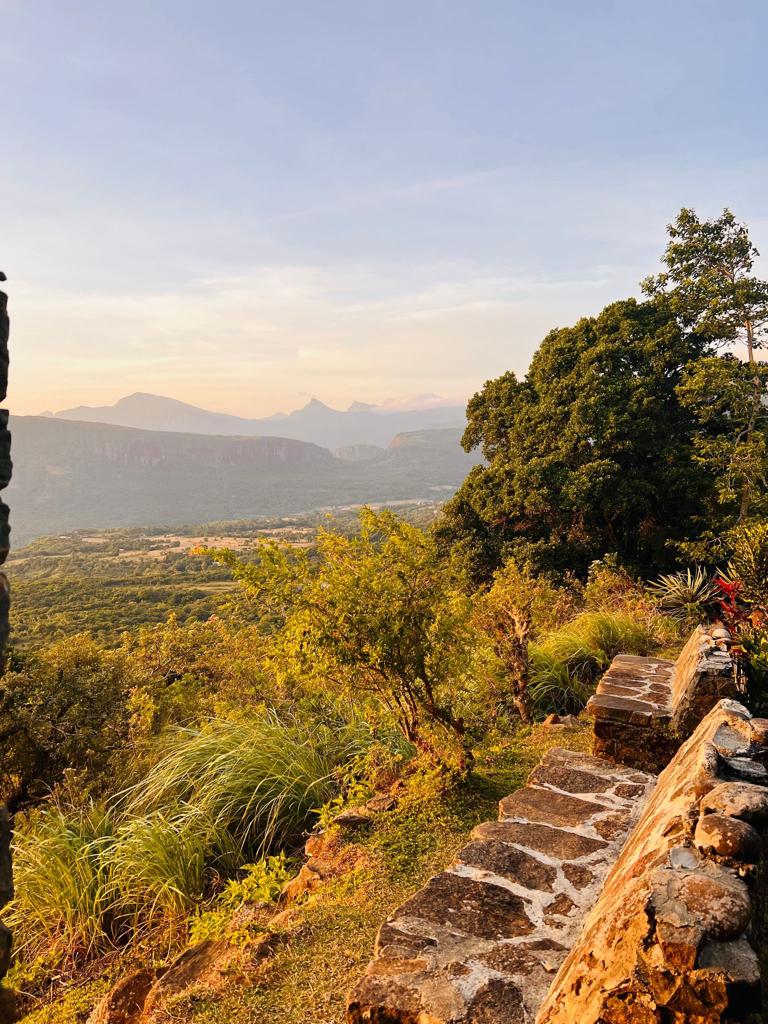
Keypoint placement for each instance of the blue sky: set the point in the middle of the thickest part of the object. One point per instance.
(241, 204)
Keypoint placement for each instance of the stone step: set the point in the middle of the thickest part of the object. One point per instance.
(643, 707)
(483, 940)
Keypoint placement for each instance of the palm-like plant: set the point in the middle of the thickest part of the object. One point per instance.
(689, 594)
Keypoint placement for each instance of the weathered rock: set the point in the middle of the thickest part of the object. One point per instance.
(560, 722)
(380, 802)
(329, 855)
(727, 837)
(482, 941)
(306, 881)
(353, 818)
(742, 800)
(124, 1003)
(205, 964)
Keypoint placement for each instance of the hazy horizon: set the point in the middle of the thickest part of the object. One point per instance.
(248, 206)
(413, 403)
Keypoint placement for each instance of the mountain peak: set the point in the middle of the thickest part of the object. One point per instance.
(361, 407)
(315, 405)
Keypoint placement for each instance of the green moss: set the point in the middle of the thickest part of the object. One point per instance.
(74, 1006)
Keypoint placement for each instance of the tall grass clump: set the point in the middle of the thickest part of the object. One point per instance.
(255, 782)
(93, 878)
(62, 863)
(566, 662)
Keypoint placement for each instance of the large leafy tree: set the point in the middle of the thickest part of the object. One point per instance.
(591, 452)
(710, 286)
(730, 441)
(709, 281)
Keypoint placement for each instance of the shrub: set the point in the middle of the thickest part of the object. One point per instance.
(566, 662)
(261, 882)
(62, 708)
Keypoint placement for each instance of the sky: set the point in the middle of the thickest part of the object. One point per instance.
(245, 204)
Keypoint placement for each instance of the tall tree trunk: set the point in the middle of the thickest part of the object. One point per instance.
(746, 487)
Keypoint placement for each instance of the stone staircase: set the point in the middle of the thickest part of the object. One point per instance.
(484, 939)
(603, 894)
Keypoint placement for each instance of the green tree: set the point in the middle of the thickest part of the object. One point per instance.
(62, 708)
(590, 452)
(730, 441)
(710, 287)
(375, 614)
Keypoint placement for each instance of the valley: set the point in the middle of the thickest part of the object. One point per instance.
(73, 475)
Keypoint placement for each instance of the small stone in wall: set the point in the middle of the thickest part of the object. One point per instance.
(741, 800)
(727, 837)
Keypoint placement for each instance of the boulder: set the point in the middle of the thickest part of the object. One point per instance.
(124, 1003)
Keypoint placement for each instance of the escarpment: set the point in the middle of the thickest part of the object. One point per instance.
(604, 893)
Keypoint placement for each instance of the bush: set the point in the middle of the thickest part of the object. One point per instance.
(62, 708)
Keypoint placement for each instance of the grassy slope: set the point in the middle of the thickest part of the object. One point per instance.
(307, 981)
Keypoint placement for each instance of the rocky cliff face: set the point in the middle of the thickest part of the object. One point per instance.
(93, 475)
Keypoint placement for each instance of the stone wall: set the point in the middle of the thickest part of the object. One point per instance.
(645, 707)
(6, 877)
(675, 935)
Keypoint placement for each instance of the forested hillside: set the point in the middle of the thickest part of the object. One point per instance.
(72, 475)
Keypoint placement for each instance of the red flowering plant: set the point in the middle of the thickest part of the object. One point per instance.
(747, 623)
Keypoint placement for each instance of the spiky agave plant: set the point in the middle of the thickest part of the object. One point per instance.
(688, 594)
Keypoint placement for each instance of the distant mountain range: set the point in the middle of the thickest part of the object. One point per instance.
(316, 423)
(89, 475)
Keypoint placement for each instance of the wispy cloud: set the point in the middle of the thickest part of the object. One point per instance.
(251, 342)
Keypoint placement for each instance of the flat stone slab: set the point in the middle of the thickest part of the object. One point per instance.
(635, 690)
(482, 941)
